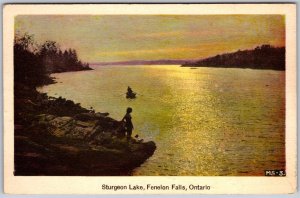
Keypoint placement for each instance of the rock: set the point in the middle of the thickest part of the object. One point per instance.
(60, 126)
(79, 132)
(67, 148)
(58, 157)
(58, 137)
(60, 121)
(85, 124)
(85, 117)
(46, 117)
(100, 115)
(74, 129)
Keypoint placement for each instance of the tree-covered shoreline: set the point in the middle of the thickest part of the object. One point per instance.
(262, 57)
(33, 62)
(57, 137)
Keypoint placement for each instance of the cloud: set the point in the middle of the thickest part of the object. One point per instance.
(148, 51)
(198, 51)
(199, 32)
(159, 34)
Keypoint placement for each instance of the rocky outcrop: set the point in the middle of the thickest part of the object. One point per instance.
(54, 136)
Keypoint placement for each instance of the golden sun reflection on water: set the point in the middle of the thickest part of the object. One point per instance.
(205, 121)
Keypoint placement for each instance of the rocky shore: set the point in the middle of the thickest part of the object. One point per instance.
(55, 136)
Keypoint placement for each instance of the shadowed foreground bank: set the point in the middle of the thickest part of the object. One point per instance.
(54, 136)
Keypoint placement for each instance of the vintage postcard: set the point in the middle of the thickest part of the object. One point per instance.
(150, 99)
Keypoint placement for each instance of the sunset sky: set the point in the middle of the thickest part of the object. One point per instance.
(132, 37)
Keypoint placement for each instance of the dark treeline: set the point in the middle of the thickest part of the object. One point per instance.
(262, 57)
(33, 63)
(45, 126)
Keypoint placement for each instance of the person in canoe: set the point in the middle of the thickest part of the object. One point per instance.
(130, 93)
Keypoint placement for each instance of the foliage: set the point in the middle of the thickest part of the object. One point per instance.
(34, 63)
(57, 61)
(262, 57)
(28, 67)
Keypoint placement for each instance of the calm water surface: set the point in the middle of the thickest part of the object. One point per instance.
(205, 121)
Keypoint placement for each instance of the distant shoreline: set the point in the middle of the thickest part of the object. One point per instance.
(142, 62)
(230, 67)
(264, 57)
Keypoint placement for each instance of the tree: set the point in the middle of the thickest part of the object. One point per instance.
(34, 63)
(28, 67)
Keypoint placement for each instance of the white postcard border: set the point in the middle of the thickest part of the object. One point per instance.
(93, 185)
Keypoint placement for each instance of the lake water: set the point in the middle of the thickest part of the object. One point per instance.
(204, 121)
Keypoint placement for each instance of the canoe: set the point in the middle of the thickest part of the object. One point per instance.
(130, 95)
